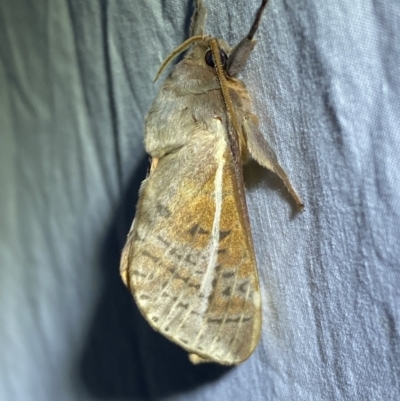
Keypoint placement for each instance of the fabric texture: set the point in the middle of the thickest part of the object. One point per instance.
(75, 84)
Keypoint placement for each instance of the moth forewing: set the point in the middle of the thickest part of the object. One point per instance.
(189, 259)
(191, 267)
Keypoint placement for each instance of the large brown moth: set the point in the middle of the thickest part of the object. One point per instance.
(189, 259)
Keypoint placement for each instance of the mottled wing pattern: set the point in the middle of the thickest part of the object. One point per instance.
(189, 259)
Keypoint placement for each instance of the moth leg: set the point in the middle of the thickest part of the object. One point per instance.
(239, 56)
(241, 52)
(125, 262)
(196, 359)
(154, 163)
(124, 273)
(264, 155)
(198, 20)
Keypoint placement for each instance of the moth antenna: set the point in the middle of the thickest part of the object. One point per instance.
(256, 22)
(182, 47)
(222, 81)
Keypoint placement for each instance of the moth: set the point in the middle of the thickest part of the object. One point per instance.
(189, 258)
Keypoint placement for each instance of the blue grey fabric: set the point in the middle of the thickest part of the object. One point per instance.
(75, 84)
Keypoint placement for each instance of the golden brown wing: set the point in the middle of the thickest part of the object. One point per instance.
(189, 258)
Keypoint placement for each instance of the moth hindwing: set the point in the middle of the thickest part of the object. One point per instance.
(189, 258)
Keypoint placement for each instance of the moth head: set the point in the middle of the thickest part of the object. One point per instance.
(233, 60)
(201, 54)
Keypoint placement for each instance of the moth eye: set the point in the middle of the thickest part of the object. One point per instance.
(210, 60)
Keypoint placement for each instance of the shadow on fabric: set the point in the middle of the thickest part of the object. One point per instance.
(123, 357)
